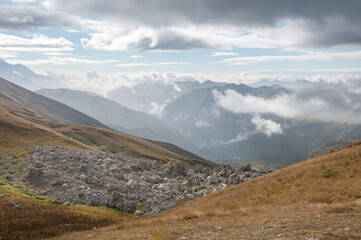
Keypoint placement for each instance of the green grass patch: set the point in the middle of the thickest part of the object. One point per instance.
(327, 173)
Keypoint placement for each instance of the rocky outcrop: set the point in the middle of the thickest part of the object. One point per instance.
(128, 184)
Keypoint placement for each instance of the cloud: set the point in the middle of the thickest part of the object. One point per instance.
(336, 102)
(240, 137)
(286, 24)
(132, 64)
(34, 43)
(136, 56)
(217, 54)
(170, 39)
(31, 18)
(61, 61)
(200, 124)
(92, 75)
(229, 12)
(156, 109)
(244, 134)
(267, 127)
(148, 64)
(318, 56)
(238, 103)
(170, 25)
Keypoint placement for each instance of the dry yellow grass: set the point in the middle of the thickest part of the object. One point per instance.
(22, 129)
(111, 141)
(318, 198)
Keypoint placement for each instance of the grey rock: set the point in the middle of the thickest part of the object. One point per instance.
(245, 168)
(198, 168)
(19, 206)
(138, 213)
(121, 182)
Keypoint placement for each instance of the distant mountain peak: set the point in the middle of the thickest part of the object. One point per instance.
(23, 76)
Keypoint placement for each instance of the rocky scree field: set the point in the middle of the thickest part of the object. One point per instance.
(128, 184)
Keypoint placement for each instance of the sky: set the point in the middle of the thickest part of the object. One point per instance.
(222, 40)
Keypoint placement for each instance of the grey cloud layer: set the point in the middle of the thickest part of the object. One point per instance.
(31, 18)
(314, 23)
(234, 12)
(147, 25)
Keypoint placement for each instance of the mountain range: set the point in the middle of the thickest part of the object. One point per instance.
(28, 118)
(25, 77)
(116, 116)
(187, 114)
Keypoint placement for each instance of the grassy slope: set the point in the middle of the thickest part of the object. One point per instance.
(318, 198)
(40, 218)
(22, 129)
(44, 106)
(175, 149)
(112, 141)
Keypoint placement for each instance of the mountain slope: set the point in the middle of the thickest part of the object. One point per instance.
(315, 199)
(22, 128)
(152, 96)
(44, 106)
(24, 77)
(116, 116)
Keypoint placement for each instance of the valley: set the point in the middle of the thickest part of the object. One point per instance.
(180, 120)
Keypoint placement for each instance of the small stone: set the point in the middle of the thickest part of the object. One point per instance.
(67, 225)
(347, 229)
(88, 236)
(183, 238)
(12, 203)
(311, 238)
(319, 215)
(279, 235)
(138, 213)
(1, 195)
(19, 206)
(66, 204)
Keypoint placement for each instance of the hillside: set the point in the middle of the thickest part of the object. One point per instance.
(315, 199)
(116, 116)
(175, 149)
(111, 141)
(21, 130)
(44, 106)
(25, 77)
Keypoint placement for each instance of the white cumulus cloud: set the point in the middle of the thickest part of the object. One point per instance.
(267, 126)
(336, 102)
